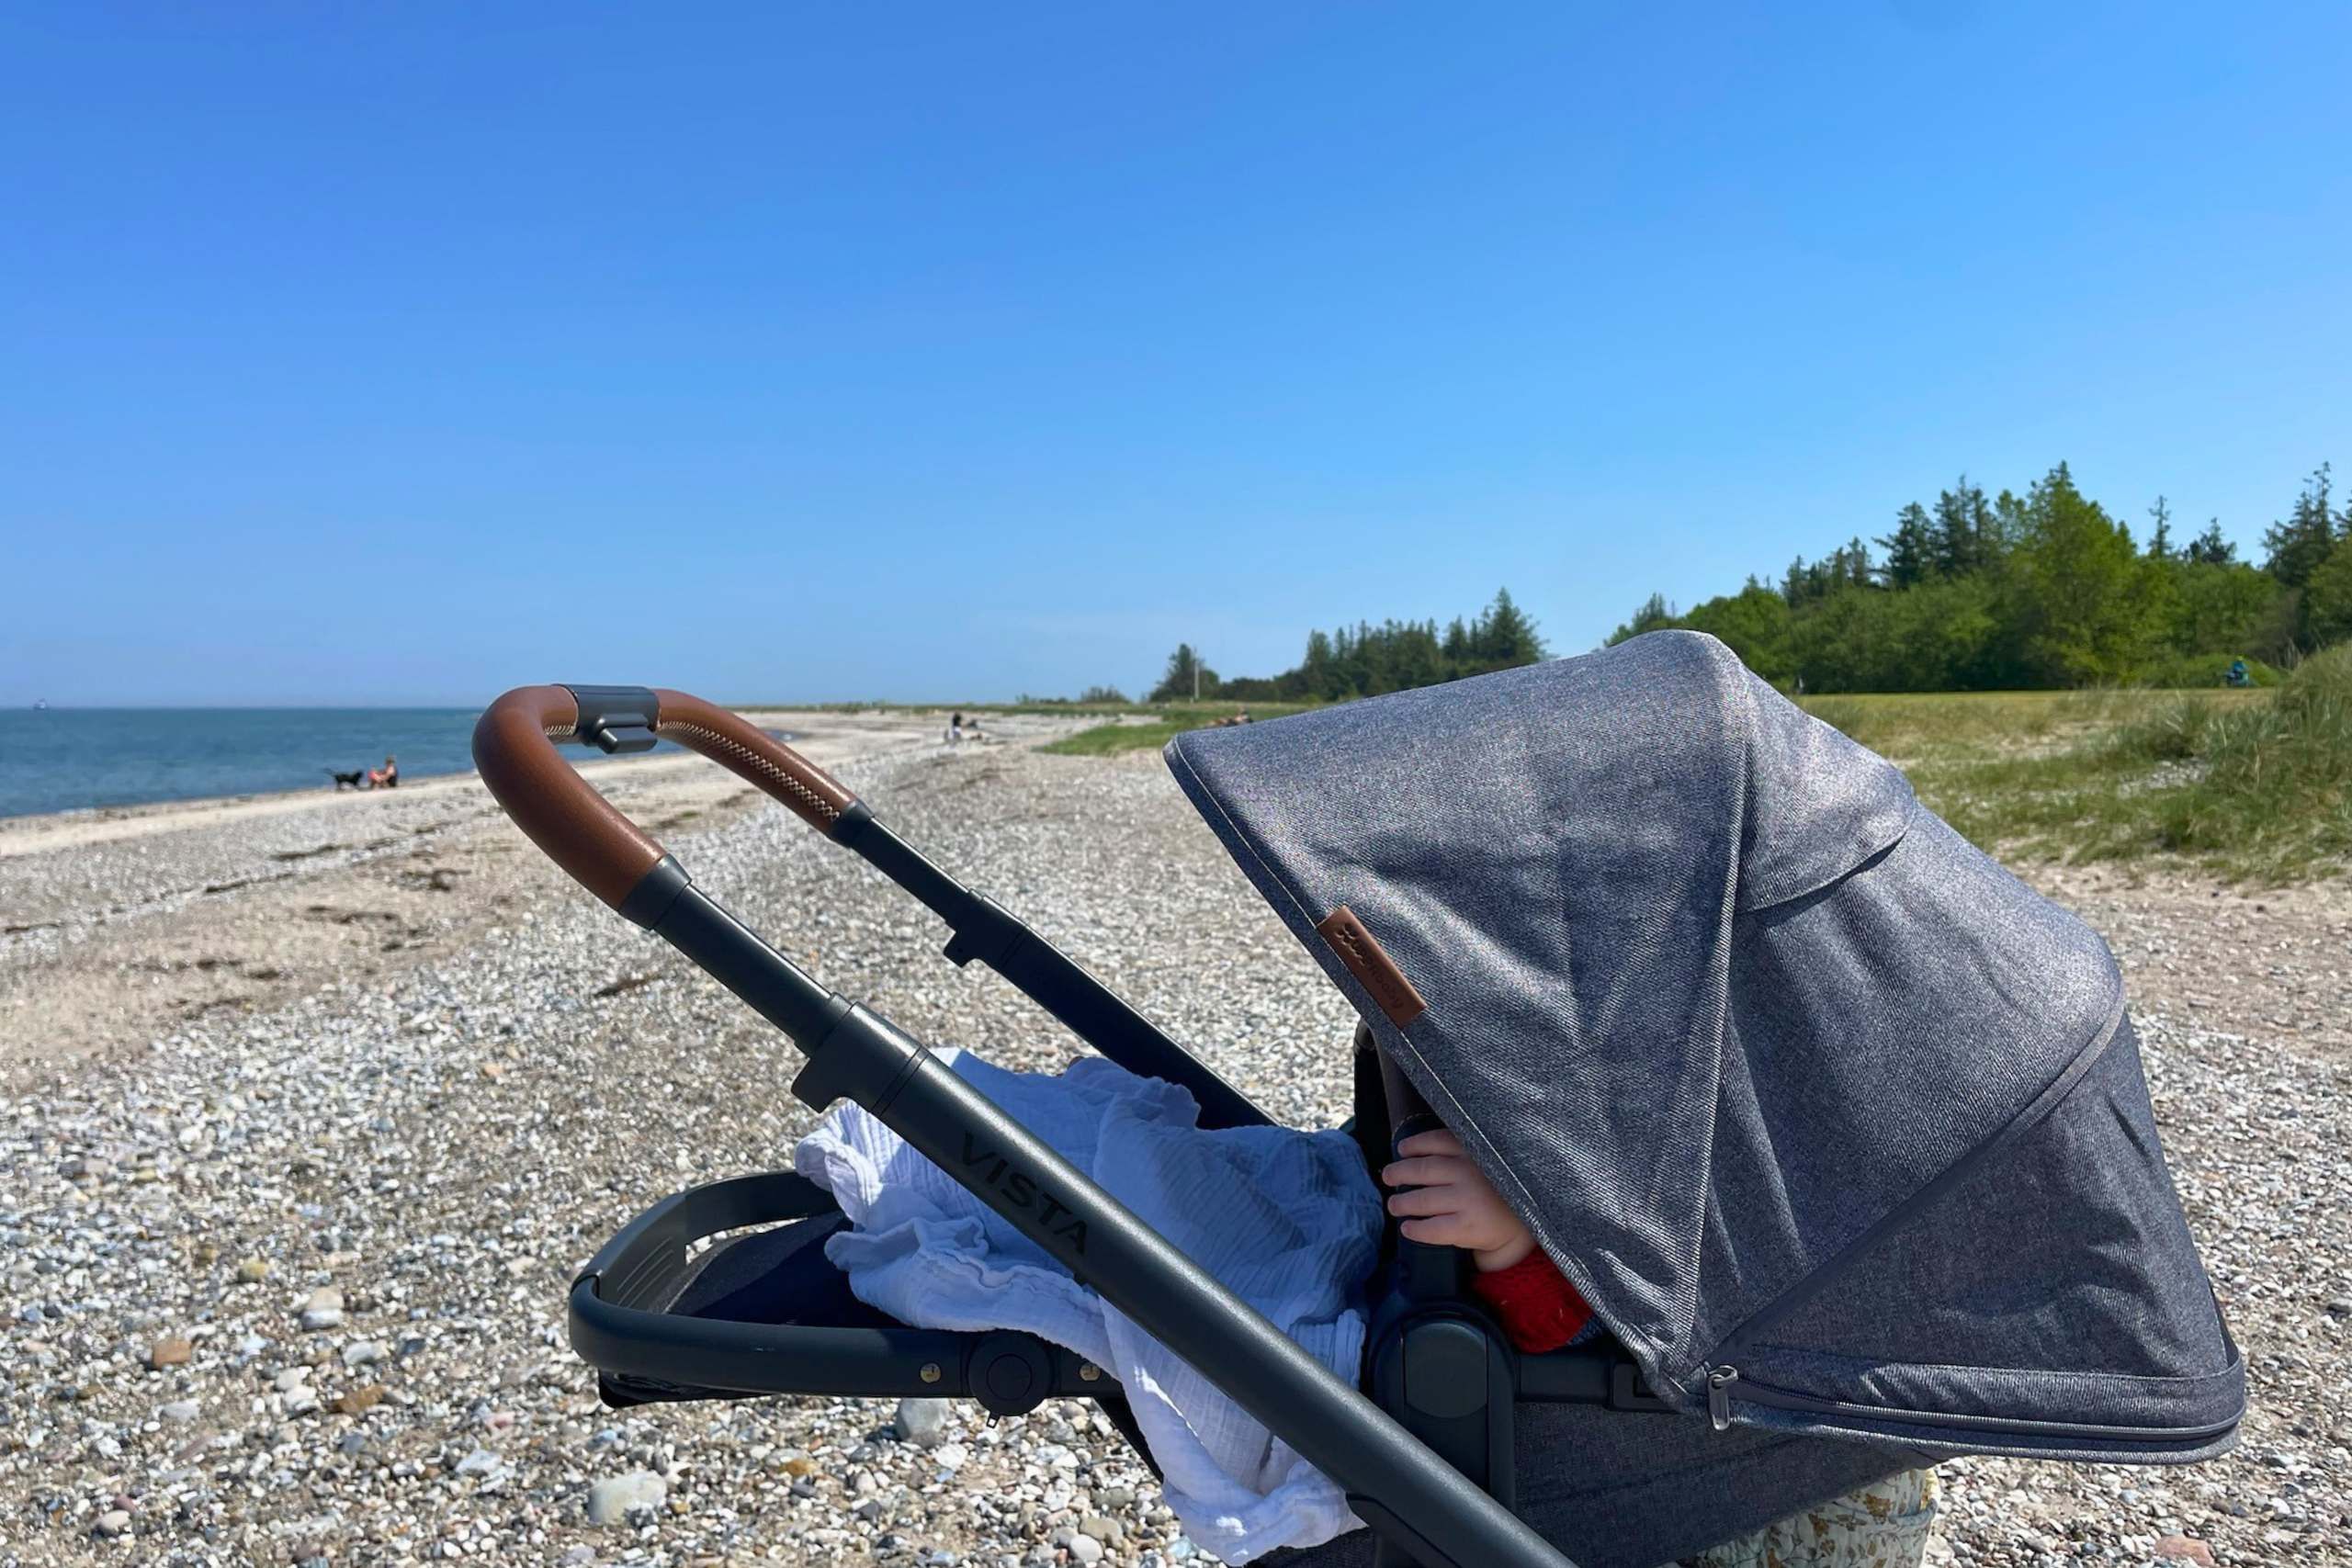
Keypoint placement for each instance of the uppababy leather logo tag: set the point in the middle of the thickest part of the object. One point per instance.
(1374, 969)
(1025, 1192)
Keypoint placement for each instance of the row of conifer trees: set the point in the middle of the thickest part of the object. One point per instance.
(2045, 589)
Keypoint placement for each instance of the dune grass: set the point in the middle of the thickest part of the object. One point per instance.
(1110, 739)
(1153, 727)
(1913, 727)
(2251, 785)
(2254, 785)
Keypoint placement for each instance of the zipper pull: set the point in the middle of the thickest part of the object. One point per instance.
(1719, 1381)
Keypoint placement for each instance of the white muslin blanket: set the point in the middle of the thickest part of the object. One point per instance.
(1288, 1221)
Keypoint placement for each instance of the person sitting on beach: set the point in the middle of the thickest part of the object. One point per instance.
(1446, 1201)
(386, 777)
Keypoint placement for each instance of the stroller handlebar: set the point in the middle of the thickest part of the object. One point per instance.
(514, 748)
(1396, 1483)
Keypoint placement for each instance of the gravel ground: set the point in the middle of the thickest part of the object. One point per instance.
(287, 1287)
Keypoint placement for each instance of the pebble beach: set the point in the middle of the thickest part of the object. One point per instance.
(314, 1108)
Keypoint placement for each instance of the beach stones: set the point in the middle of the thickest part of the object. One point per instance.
(610, 1501)
(1083, 1548)
(359, 1401)
(172, 1350)
(323, 1309)
(451, 1207)
(482, 1465)
(923, 1421)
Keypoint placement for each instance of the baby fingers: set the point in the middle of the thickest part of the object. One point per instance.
(1425, 1201)
(1435, 1142)
(1429, 1170)
(1439, 1230)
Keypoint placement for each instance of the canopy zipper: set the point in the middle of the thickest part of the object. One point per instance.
(1719, 1400)
(1719, 1381)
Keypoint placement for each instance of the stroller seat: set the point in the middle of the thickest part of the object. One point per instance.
(761, 1311)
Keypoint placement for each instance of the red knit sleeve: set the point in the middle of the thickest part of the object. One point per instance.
(1540, 1310)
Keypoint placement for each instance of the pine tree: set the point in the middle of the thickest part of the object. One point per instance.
(2327, 599)
(1797, 586)
(1964, 535)
(1456, 647)
(1850, 565)
(1911, 548)
(2296, 546)
(2010, 524)
(2160, 542)
(1316, 676)
(1654, 614)
(2090, 614)
(2209, 548)
(1178, 684)
(1504, 636)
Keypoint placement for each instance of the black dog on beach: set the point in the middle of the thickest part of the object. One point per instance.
(356, 780)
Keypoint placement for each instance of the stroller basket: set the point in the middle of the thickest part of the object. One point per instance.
(1684, 1102)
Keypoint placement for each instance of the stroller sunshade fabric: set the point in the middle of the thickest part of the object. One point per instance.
(1840, 1127)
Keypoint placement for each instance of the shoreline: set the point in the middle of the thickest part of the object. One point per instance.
(120, 927)
(33, 832)
(108, 810)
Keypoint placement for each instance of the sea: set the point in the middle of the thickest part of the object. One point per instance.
(71, 758)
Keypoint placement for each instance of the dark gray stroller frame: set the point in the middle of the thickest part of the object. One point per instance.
(1457, 1450)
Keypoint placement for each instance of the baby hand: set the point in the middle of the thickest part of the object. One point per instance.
(1451, 1204)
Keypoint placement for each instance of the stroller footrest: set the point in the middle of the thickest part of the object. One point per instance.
(765, 1313)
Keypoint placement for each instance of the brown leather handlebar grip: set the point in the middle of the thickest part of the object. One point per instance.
(515, 749)
(754, 756)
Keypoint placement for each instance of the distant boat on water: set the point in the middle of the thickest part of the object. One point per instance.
(40, 704)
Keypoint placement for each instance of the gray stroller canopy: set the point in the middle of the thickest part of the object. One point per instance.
(1840, 1127)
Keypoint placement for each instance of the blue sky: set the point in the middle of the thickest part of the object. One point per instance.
(402, 352)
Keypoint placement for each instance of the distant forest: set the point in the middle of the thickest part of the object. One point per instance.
(1367, 660)
(1972, 593)
(2042, 590)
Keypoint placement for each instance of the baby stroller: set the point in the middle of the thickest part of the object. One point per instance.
(1841, 1130)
